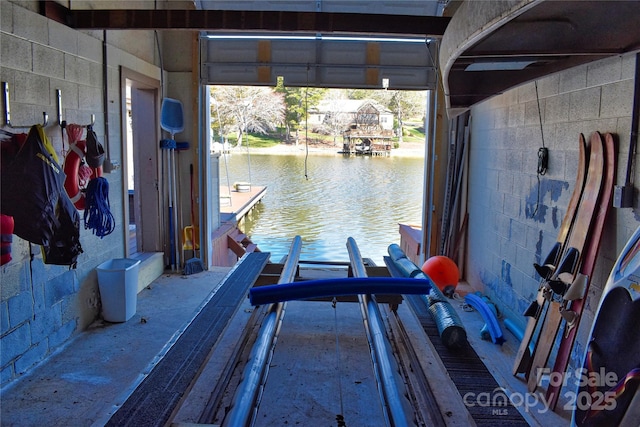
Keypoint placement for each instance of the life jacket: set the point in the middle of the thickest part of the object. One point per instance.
(32, 191)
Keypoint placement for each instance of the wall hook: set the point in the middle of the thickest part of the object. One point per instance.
(7, 110)
(93, 122)
(59, 105)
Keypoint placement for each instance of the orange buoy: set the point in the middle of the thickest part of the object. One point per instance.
(443, 272)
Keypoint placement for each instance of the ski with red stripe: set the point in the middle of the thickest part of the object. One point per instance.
(567, 270)
(574, 298)
(523, 360)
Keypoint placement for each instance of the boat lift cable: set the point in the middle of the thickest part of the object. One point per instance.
(224, 153)
(245, 403)
(394, 405)
(249, 160)
(306, 126)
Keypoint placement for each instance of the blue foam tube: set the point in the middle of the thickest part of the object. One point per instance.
(337, 287)
(489, 317)
(519, 333)
(515, 330)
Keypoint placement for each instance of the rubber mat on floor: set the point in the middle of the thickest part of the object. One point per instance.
(489, 405)
(484, 398)
(155, 399)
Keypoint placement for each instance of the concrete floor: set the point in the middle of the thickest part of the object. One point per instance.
(313, 369)
(82, 383)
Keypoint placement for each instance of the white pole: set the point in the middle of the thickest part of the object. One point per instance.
(429, 165)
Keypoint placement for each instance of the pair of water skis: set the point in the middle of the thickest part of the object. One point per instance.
(567, 270)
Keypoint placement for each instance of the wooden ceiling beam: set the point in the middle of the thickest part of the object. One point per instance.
(227, 20)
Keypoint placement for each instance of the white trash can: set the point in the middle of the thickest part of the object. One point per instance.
(118, 284)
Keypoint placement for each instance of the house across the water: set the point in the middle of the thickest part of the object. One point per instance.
(366, 126)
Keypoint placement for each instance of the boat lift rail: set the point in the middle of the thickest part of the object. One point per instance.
(244, 408)
(395, 406)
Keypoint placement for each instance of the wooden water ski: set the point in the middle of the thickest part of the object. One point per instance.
(547, 268)
(567, 270)
(572, 308)
(522, 360)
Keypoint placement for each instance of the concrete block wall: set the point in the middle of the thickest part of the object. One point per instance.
(514, 215)
(43, 306)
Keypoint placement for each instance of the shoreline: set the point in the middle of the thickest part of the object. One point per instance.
(407, 149)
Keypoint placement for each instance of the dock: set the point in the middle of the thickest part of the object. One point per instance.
(366, 149)
(229, 243)
(235, 205)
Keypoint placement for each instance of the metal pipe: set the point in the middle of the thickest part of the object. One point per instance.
(105, 101)
(635, 118)
(385, 365)
(176, 206)
(245, 403)
(431, 133)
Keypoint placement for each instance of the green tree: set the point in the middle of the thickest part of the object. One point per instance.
(297, 101)
(360, 93)
(405, 105)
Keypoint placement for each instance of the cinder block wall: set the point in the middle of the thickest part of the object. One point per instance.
(507, 233)
(43, 306)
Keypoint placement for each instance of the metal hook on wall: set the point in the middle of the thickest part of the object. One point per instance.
(93, 122)
(63, 123)
(7, 110)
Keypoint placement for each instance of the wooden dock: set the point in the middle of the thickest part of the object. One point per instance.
(235, 205)
(366, 150)
(229, 243)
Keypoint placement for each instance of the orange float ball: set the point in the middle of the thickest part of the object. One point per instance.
(443, 272)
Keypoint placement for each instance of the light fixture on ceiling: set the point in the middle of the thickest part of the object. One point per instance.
(293, 37)
(498, 66)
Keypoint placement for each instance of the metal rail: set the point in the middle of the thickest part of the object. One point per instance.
(395, 406)
(244, 408)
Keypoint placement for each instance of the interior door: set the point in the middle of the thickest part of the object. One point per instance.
(145, 151)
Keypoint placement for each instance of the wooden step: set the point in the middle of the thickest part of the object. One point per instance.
(241, 237)
(236, 247)
(151, 267)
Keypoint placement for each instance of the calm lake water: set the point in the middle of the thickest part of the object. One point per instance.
(361, 197)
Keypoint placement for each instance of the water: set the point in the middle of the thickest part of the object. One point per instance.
(361, 197)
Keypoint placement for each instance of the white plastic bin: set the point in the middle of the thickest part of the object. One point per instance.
(118, 284)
